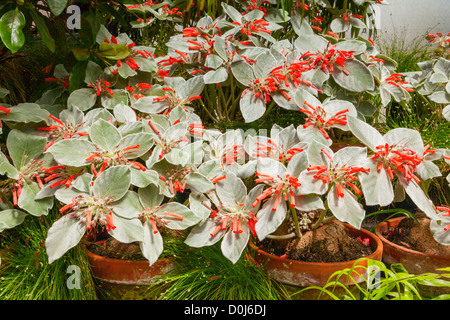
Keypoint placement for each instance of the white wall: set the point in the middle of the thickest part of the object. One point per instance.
(414, 17)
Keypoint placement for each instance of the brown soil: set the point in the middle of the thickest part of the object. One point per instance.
(417, 236)
(328, 243)
(111, 248)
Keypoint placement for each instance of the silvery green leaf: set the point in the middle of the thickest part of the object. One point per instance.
(271, 167)
(216, 76)
(11, 218)
(269, 220)
(142, 179)
(23, 147)
(199, 183)
(233, 244)
(418, 196)
(200, 235)
(25, 112)
(297, 164)
(376, 186)
(83, 182)
(220, 47)
(302, 95)
(301, 25)
(446, 112)
(367, 134)
(213, 61)
(7, 168)
(105, 135)
(72, 152)
(150, 196)
(351, 45)
(243, 72)
(440, 95)
(339, 25)
(143, 140)
(265, 63)
(127, 230)
(123, 113)
(147, 105)
(196, 205)
(84, 99)
(283, 102)
(152, 243)
(65, 195)
(112, 183)
(437, 229)
(174, 223)
(350, 157)
(311, 43)
(311, 134)
(346, 208)
(311, 185)
(308, 202)
(63, 235)
(27, 200)
(252, 108)
(194, 87)
(231, 190)
(128, 206)
(93, 72)
(358, 79)
(110, 101)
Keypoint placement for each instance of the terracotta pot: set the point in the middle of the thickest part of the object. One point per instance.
(415, 262)
(305, 274)
(128, 272)
(125, 279)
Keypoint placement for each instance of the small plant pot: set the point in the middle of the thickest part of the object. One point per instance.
(125, 279)
(415, 262)
(305, 274)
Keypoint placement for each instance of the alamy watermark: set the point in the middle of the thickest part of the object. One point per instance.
(74, 279)
(74, 20)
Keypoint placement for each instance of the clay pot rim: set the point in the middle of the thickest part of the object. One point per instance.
(377, 252)
(394, 222)
(144, 262)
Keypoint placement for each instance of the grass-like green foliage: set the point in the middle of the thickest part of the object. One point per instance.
(25, 273)
(407, 53)
(388, 283)
(205, 274)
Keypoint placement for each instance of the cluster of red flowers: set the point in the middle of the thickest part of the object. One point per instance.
(247, 27)
(317, 117)
(146, 3)
(341, 177)
(101, 85)
(331, 56)
(439, 37)
(258, 5)
(92, 210)
(61, 131)
(100, 158)
(397, 157)
(396, 80)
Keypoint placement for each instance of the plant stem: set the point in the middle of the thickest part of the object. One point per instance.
(282, 237)
(207, 111)
(297, 226)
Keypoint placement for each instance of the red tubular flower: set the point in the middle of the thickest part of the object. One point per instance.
(5, 110)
